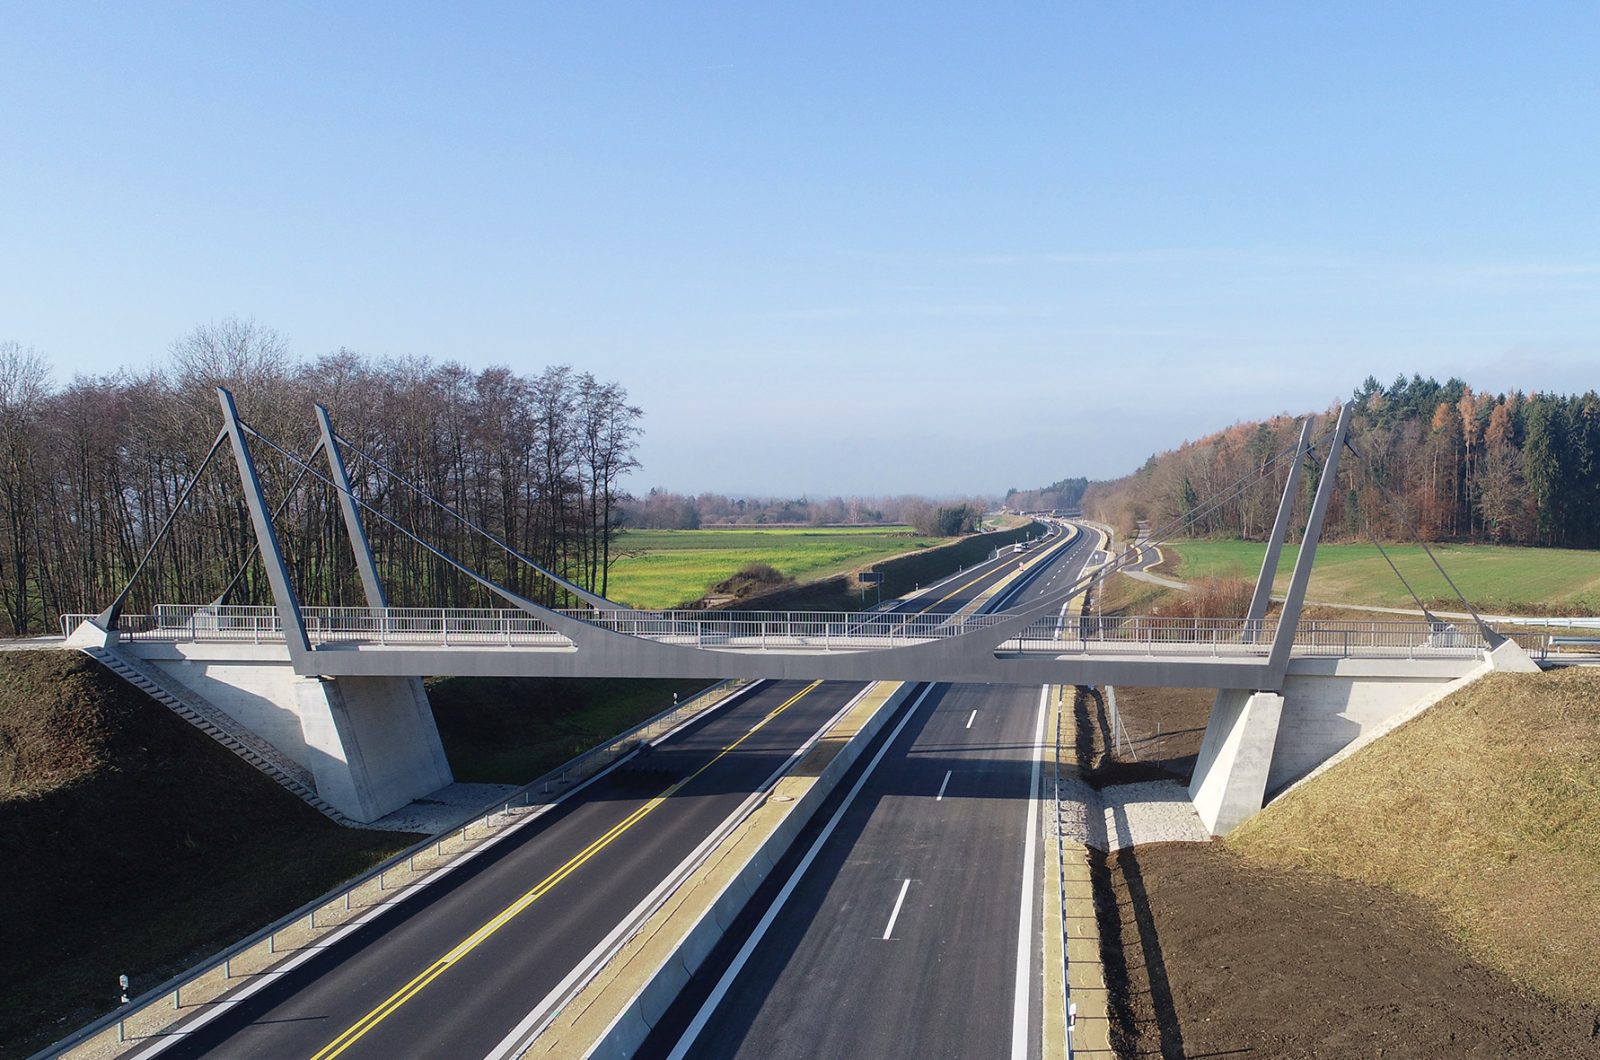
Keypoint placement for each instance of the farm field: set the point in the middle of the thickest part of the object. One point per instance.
(665, 568)
(1495, 578)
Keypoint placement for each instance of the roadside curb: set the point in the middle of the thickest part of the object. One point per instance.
(672, 945)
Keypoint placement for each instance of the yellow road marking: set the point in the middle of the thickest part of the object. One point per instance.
(355, 1031)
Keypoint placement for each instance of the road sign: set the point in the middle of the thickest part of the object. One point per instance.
(871, 577)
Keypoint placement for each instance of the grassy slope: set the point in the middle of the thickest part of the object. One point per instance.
(665, 568)
(511, 730)
(1487, 808)
(133, 843)
(1494, 577)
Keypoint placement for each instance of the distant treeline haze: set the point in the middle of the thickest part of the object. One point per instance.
(664, 510)
(89, 470)
(1460, 466)
(1068, 493)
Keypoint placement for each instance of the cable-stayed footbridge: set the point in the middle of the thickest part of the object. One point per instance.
(337, 689)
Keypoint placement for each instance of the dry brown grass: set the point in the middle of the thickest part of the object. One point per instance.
(1211, 597)
(1486, 807)
(1122, 595)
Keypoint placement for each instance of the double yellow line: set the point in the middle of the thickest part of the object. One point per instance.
(442, 964)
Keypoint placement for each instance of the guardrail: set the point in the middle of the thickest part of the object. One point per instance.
(415, 865)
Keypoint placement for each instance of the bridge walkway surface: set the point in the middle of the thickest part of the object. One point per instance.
(906, 919)
(455, 967)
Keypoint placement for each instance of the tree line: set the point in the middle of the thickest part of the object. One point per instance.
(1438, 459)
(661, 509)
(1066, 493)
(90, 470)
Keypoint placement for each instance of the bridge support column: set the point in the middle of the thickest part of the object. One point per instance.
(1230, 777)
(371, 742)
(368, 745)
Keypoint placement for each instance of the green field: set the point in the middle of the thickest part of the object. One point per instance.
(1495, 578)
(665, 568)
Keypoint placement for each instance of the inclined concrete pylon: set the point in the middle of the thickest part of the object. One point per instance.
(340, 692)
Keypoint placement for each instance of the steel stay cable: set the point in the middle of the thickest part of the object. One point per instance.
(463, 520)
(112, 613)
(1489, 631)
(1128, 556)
(434, 550)
(256, 547)
(1373, 537)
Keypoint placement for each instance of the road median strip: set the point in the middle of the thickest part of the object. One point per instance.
(615, 1012)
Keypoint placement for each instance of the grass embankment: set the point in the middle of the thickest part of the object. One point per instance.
(667, 568)
(1487, 809)
(135, 844)
(1494, 578)
(510, 730)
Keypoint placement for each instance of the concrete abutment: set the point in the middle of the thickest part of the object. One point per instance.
(1258, 744)
(369, 743)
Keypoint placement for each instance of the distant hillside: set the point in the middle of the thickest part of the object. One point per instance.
(1460, 465)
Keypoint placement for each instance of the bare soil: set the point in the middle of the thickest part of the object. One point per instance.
(1159, 737)
(1208, 954)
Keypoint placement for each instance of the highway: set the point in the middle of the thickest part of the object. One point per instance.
(894, 927)
(458, 966)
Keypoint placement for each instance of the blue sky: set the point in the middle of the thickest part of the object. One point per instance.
(828, 247)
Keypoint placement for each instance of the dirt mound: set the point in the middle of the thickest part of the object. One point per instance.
(133, 843)
(1486, 809)
(1212, 954)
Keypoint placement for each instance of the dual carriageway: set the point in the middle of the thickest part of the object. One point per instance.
(903, 922)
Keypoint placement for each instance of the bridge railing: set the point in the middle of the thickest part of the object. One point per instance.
(1236, 637)
(786, 628)
(806, 630)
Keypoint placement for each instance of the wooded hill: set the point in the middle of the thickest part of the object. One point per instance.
(90, 470)
(1455, 464)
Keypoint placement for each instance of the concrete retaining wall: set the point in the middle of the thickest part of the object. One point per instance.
(1323, 715)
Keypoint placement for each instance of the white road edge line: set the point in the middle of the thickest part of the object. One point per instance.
(898, 902)
(178, 1031)
(971, 718)
(943, 784)
(552, 1004)
(1021, 998)
(702, 1017)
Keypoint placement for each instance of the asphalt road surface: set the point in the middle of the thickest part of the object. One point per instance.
(453, 969)
(904, 936)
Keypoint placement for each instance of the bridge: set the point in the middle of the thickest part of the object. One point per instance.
(347, 678)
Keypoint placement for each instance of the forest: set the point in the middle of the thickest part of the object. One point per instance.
(90, 470)
(1433, 460)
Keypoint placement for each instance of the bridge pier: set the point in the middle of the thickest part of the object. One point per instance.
(1258, 744)
(369, 743)
(1230, 776)
(372, 742)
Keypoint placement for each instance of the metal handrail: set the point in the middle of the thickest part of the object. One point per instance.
(767, 630)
